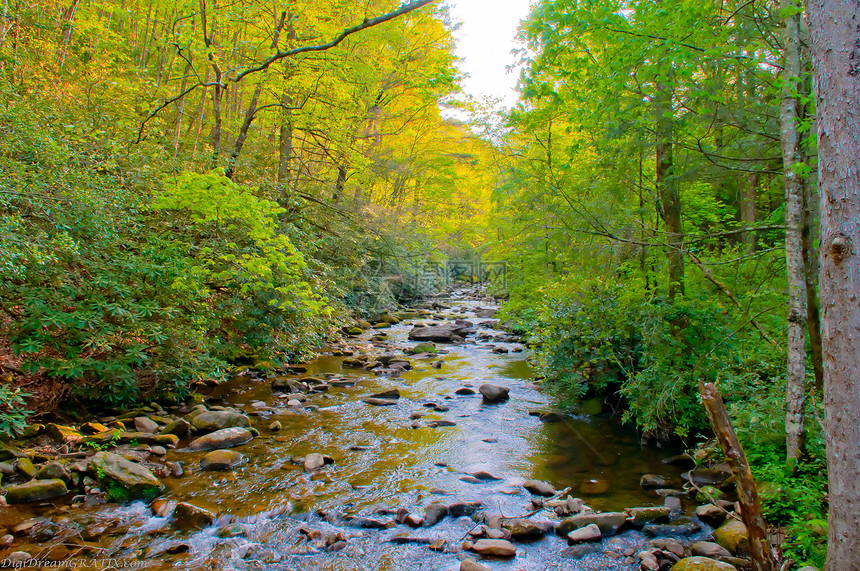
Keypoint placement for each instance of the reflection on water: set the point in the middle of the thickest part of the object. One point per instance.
(385, 458)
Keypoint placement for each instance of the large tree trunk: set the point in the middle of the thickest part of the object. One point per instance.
(285, 140)
(250, 114)
(667, 187)
(810, 261)
(795, 375)
(834, 26)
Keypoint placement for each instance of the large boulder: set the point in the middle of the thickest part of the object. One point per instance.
(127, 480)
(213, 420)
(224, 438)
(36, 491)
(702, 564)
(446, 333)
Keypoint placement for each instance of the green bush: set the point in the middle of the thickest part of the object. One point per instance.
(606, 339)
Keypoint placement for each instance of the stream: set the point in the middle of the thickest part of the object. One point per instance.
(431, 445)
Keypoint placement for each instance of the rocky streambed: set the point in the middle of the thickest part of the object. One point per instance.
(420, 442)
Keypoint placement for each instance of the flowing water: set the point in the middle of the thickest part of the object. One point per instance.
(384, 459)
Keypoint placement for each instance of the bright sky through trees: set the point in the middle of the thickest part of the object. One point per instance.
(485, 41)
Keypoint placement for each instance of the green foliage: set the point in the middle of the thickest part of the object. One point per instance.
(13, 411)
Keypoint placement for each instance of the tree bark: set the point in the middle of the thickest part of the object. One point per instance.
(795, 374)
(285, 139)
(751, 514)
(748, 191)
(810, 262)
(834, 27)
(667, 188)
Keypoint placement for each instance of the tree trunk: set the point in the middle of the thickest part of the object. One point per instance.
(751, 514)
(340, 184)
(250, 113)
(748, 192)
(667, 188)
(285, 140)
(810, 263)
(834, 27)
(795, 374)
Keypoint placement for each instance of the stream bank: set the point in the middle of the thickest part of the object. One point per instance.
(382, 454)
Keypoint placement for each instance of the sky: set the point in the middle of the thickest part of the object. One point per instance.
(485, 41)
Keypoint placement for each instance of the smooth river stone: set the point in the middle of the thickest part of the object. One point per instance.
(495, 547)
(224, 438)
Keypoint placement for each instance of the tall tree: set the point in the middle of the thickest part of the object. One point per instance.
(795, 375)
(834, 27)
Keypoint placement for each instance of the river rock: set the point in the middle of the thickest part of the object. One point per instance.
(391, 394)
(609, 522)
(52, 471)
(711, 514)
(425, 347)
(493, 393)
(379, 402)
(434, 513)
(585, 534)
(144, 424)
(446, 333)
(221, 460)
(62, 434)
(523, 529)
(539, 488)
(495, 547)
(709, 549)
(641, 516)
(733, 536)
(177, 427)
(460, 509)
(224, 438)
(36, 491)
(189, 516)
(706, 476)
(702, 564)
(651, 481)
(213, 420)
(314, 461)
(472, 565)
(465, 391)
(664, 529)
(137, 481)
(26, 467)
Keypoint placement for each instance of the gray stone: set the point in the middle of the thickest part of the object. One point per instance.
(493, 393)
(650, 481)
(609, 522)
(434, 513)
(711, 514)
(709, 549)
(585, 534)
(224, 438)
(219, 419)
(52, 471)
(314, 461)
(144, 424)
(539, 488)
